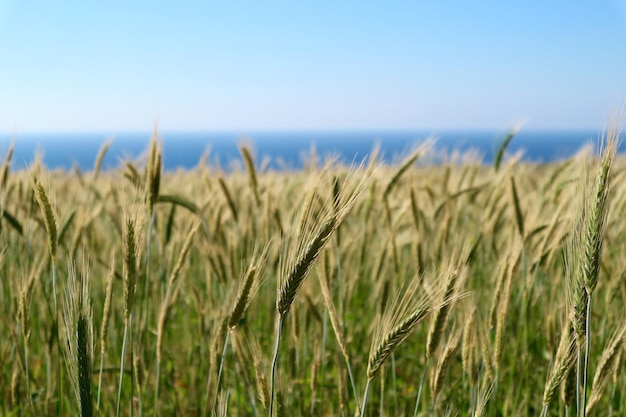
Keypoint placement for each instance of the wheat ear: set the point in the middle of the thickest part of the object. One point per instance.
(396, 324)
(604, 370)
(252, 178)
(131, 255)
(563, 362)
(78, 339)
(97, 166)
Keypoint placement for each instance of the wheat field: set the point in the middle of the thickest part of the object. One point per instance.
(410, 289)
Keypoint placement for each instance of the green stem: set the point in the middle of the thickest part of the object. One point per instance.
(579, 366)
(207, 394)
(432, 410)
(356, 396)
(394, 385)
(419, 391)
(100, 381)
(56, 312)
(495, 392)
(30, 397)
(279, 326)
(127, 324)
(473, 400)
(587, 348)
(219, 372)
(156, 387)
(367, 391)
(146, 286)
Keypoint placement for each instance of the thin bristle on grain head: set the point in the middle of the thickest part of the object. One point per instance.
(48, 216)
(484, 392)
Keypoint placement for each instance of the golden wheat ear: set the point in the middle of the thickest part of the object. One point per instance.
(252, 279)
(48, 215)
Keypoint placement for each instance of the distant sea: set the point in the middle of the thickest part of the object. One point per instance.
(284, 150)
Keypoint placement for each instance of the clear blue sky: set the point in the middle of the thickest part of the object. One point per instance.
(116, 66)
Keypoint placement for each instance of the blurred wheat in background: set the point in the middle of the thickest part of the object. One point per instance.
(416, 289)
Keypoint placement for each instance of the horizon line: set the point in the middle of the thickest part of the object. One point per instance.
(162, 132)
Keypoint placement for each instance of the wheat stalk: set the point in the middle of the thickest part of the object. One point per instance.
(104, 328)
(583, 264)
(250, 283)
(300, 258)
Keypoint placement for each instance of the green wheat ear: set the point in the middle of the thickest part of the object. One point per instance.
(78, 339)
(48, 216)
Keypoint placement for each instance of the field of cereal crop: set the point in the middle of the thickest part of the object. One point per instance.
(408, 290)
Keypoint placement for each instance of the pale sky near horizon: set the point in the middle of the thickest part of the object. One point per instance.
(121, 66)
